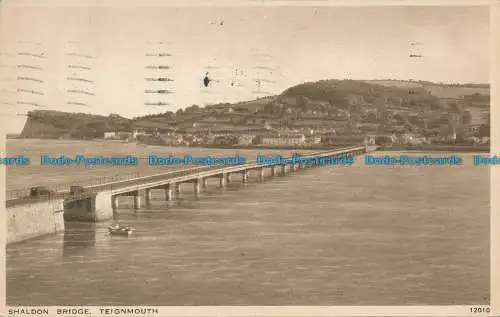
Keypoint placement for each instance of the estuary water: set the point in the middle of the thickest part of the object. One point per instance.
(354, 235)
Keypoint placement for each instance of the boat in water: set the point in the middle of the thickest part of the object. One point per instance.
(119, 230)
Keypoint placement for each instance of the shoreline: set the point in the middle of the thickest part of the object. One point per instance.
(437, 148)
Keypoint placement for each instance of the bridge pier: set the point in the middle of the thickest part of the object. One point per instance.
(222, 180)
(261, 173)
(197, 185)
(177, 188)
(229, 178)
(115, 201)
(244, 176)
(273, 170)
(168, 192)
(148, 196)
(137, 200)
(205, 182)
(283, 169)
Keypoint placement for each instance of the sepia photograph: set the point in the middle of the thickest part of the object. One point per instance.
(266, 154)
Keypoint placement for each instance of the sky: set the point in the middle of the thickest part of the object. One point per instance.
(280, 46)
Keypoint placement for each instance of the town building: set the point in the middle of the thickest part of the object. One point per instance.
(109, 135)
(313, 139)
(137, 133)
(281, 139)
(119, 135)
(246, 139)
(343, 139)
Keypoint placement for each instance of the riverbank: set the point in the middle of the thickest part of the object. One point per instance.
(287, 147)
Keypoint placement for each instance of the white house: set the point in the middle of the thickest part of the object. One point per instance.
(109, 135)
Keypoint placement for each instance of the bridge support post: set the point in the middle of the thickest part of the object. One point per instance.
(229, 178)
(115, 201)
(197, 185)
(168, 192)
(177, 188)
(148, 196)
(295, 167)
(137, 200)
(244, 176)
(283, 169)
(273, 170)
(261, 173)
(222, 180)
(205, 182)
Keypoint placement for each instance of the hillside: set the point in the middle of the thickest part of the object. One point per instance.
(308, 103)
(55, 124)
(342, 93)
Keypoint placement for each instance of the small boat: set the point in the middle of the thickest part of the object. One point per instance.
(118, 230)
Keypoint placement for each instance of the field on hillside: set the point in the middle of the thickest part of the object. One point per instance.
(255, 103)
(395, 83)
(455, 92)
(439, 91)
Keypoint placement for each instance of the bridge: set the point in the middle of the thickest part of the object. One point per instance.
(97, 202)
(128, 185)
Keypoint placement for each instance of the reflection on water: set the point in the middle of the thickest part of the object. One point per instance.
(330, 236)
(78, 236)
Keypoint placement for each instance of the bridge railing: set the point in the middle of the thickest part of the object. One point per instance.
(122, 180)
(65, 187)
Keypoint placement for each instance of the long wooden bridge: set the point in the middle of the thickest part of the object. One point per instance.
(98, 201)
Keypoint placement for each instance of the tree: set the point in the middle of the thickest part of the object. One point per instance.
(193, 108)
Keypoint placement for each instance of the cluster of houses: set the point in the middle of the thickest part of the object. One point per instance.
(283, 137)
(136, 134)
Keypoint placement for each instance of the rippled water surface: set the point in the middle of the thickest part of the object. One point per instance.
(328, 236)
